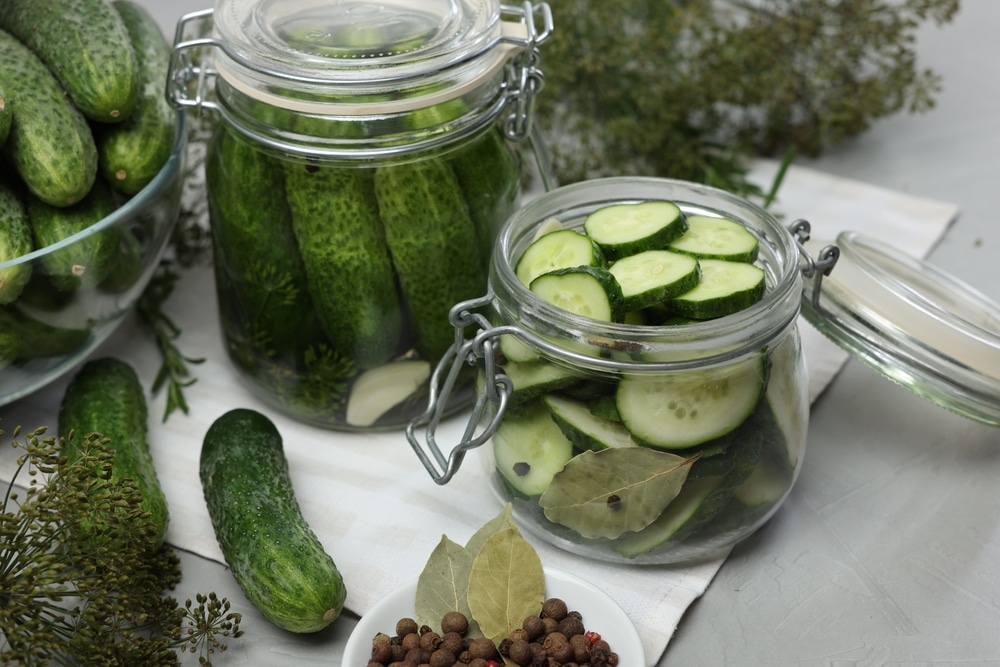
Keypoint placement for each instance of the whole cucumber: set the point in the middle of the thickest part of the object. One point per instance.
(88, 260)
(433, 244)
(15, 241)
(5, 117)
(85, 44)
(351, 280)
(131, 153)
(106, 397)
(50, 144)
(274, 555)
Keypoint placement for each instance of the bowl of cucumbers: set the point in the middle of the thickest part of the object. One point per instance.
(90, 189)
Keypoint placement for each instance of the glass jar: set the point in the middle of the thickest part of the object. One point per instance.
(562, 396)
(361, 168)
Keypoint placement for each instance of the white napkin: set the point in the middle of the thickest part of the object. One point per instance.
(374, 507)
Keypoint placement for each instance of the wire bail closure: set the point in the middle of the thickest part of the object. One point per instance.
(496, 388)
(814, 269)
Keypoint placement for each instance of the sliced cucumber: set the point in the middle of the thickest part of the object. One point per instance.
(376, 391)
(560, 249)
(724, 288)
(678, 514)
(709, 237)
(653, 276)
(689, 408)
(529, 449)
(531, 379)
(584, 429)
(584, 290)
(626, 229)
(515, 349)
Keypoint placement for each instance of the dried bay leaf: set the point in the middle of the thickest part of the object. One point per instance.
(507, 583)
(611, 492)
(503, 520)
(443, 583)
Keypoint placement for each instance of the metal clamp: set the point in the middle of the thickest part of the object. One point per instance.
(496, 389)
(817, 268)
(189, 78)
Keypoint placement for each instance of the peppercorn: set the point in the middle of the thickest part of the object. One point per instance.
(454, 621)
(581, 647)
(557, 646)
(405, 626)
(554, 608)
(571, 626)
(411, 640)
(415, 654)
(442, 657)
(381, 652)
(430, 640)
(550, 625)
(520, 652)
(483, 647)
(534, 626)
(453, 642)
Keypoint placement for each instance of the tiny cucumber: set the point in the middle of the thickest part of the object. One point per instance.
(88, 259)
(348, 269)
(50, 144)
(85, 45)
(106, 397)
(274, 555)
(433, 242)
(15, 241)
(132, 153)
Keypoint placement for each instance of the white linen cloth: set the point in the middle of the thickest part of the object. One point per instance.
(372, 504)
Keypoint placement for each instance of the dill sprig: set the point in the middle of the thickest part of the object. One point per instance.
(174, 373)
(82, 579)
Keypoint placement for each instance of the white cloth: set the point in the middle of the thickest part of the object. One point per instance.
(371, 503)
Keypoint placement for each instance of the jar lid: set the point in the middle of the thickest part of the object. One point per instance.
(306, 46)
(916, 324)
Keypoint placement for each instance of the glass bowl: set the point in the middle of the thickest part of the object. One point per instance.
(55, 323)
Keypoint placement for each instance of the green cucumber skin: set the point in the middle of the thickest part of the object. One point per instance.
(15, 241)
(88, 260)
(489, 174)
(106, 397)
(349, 271)
(131, 153)
(254, 250)
(433, 242)
(50, 144)
(36, 339)
(85, 45)
(274, 555)
(5, 117)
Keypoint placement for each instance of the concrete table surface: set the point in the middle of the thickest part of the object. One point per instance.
(887, 552)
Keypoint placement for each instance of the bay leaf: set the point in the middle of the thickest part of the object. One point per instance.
(611, 492)
(507, 583)
(502, 520)
(443, 584)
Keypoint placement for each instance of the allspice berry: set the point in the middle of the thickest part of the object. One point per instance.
(454, 621)
(554, 608)
(405, 626)
(483, 647)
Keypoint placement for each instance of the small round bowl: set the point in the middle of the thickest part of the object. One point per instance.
(54, 323)
(600, 614)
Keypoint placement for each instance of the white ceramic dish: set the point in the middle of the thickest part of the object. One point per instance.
(600, 614)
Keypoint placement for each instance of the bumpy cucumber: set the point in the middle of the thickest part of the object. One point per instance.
(432, 241)
(85, 44)
(87, 260)
(15, 241)
(274, 555)
(50, 145)
(489, 174)
(262, 276)
(36, 339)
(350, 275)
(106, 397)
(131, 153)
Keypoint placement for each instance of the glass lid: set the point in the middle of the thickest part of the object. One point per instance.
(916, 324)
(339, 40)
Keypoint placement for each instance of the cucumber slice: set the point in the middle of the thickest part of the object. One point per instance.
(725, 288)
(584, 429)
(531, 379)
(626, 229)
(653, 276)
(681, 511)
(686, 409)
(529, 449)
(561, 249)
(515, 349)
(709, 237)
(584, 290)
